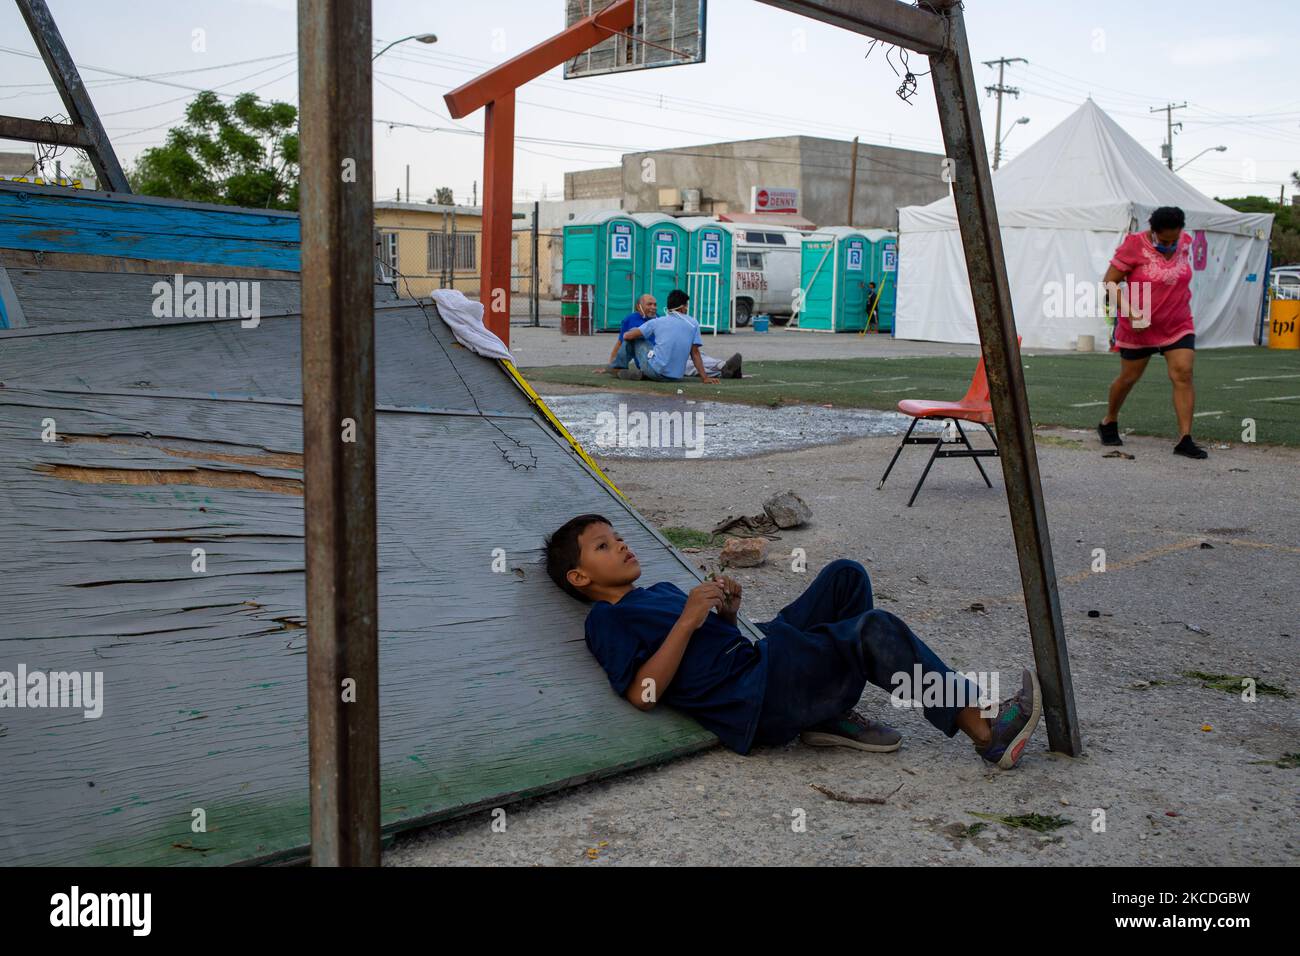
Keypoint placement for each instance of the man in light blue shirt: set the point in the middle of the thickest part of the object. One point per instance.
(662, 346)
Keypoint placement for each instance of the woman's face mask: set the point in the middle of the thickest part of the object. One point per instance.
(1165, 248)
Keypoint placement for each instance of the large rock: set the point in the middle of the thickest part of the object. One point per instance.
(744, 552)
(787, 509)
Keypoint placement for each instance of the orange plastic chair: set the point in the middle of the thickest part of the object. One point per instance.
(974, 406)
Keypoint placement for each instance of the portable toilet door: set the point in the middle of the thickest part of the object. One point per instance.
(709, 282)
(884, 272)
(616, 280)
(817, 282)
(667, 257)
(850, 314)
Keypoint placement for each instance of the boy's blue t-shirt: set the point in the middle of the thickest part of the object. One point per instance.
(722, 675)
(672, 336)
(633, 321)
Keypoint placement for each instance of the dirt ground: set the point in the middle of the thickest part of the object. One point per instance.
(1202, 570)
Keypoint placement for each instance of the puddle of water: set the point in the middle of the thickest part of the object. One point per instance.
(651, 426)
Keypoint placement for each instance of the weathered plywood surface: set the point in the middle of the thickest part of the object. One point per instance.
(418, 362)
(64, 298)
(487, 690)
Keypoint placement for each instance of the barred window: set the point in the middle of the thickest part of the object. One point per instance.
(440, 249)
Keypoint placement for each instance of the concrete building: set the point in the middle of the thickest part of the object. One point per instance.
(433, 246)
(594, 184)
(720, 178)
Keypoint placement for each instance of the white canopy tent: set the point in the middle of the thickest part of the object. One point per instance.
(1063, 207)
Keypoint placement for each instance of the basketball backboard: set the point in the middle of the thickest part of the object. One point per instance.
(664, 33)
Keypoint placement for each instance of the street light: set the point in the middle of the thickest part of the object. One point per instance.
(1212, 149)
(422, 37)
(998, 151)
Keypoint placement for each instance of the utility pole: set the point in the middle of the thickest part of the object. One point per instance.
(1169, 128)
(853, 179)
(535, 303)
(408, 182)
(474, 201)
(999, 90)
(338, 390)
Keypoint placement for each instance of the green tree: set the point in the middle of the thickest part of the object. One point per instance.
(443, 195)
(1284, 242)
(244, 153)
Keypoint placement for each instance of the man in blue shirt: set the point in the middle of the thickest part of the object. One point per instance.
(620, 356)
(803, 678)
(662, 346)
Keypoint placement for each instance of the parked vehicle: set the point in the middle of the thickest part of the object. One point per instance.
(1284, 281)
(767, 272)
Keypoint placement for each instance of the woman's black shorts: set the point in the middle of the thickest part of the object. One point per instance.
(1188, 341)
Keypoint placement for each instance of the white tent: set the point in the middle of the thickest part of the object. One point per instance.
(1063, 207)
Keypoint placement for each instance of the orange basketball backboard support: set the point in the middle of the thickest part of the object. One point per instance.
(495, 91)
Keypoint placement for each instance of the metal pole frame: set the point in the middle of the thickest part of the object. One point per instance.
(495, 92)
(936, 28)
(84, 131)
(338, 406)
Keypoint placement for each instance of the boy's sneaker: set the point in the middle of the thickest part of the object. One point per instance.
(1189, 449)
(853, 730)
(1017, 717)
(731, 367)
(630, 374)
(1109, 432)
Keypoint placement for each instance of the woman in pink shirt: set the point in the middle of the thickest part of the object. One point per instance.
(1154, 315)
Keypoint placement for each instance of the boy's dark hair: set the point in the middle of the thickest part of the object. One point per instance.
(1167, 217)
(677, 298)
(563, 551)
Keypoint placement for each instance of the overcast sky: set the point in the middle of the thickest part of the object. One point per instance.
(767, 73)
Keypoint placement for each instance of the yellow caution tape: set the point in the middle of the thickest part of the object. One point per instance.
(550, 417)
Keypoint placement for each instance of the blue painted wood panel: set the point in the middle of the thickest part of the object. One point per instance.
(98, 224)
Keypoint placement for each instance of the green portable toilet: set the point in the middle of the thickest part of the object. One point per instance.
(603, 252)
(835, 267)
(884, 273)
(667, 256)
(712, 266)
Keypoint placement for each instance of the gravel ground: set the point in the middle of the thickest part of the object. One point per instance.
(1203, 559)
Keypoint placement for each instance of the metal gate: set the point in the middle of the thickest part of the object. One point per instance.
(705, 291)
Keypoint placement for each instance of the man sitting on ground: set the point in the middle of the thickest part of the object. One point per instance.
(803, 678)
(620, 356)
(662, 346)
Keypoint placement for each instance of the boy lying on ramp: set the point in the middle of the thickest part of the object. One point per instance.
(803, 679)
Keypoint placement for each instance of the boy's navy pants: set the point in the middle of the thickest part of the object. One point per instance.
(825, 647)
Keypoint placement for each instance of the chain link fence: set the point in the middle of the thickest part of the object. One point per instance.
(419, 260)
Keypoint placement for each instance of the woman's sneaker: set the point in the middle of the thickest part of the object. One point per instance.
(1109, 432)
(854, 730)
(1011, 729)
(1190, 449)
